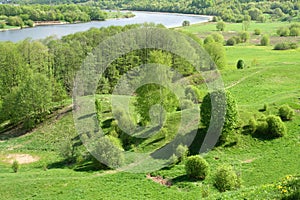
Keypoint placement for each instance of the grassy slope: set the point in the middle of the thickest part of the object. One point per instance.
(272, 78)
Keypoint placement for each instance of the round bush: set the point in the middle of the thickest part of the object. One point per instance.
(295, 31)
(226, 179)
(240, 64)
(283, 32)
(286, 112)
(276, 128)
(265, 40)
(181, 152)
(257, 31)
(209, 39)
(196, 167)
(218, 38)
(231, 42)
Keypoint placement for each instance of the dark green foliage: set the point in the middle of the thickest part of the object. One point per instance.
(231, 41)
(230, 118)
(286, 112)
(196, 167)
(285, 46)
(186, 23)
(265, 40)
(226, 179)
(240, 64)
(15, 166)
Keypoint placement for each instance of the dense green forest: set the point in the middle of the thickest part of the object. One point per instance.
(232, 11)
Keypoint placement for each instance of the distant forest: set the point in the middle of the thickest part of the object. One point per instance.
(228, 10)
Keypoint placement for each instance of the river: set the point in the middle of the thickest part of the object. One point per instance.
(167, 19)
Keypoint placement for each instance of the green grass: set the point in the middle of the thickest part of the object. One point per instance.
(272, 77)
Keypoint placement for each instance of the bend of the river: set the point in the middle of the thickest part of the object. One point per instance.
(167, 19)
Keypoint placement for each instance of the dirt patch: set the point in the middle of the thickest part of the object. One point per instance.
(21, 158)
(160, 180)
(248, 160)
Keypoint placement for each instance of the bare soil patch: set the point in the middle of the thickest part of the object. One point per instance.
(21, 158)
(160, 180)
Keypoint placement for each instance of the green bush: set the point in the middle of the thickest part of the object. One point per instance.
(218, 38)
(231, 41)
(221, 26)
(295, 31)
(276, 128)
(186, 104)
(285, 46)
(244, 36)
(240, 64)
(15, 166)
(226, 179)
(208, 39)
(196, 167)
(283, 32)
(286, 112)
(186, 23)
(2, 25)
(265, 40)
(257, 31)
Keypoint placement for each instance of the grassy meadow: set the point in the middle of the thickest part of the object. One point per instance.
(271, 77)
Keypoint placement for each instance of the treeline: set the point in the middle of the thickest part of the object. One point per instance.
(231, 11)
(19, 15)
(37, 75)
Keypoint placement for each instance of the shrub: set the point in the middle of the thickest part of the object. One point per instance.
(295, 31)
(192, 93)
(15, 166)
(257, 31)
(231, 41)
(265, 40)
(286, 112)
(226, 179)
(276, 128)
(196, 167)
(230, 118)
(240, 64)
(218, 38)
(181, 152)
(252, 125)
(221, 26)
(209, 39)
(2, 25)
(186, 23)
(283, 32)
(244, 36)
(285, 46)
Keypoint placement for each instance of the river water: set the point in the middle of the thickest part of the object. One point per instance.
(167, 19)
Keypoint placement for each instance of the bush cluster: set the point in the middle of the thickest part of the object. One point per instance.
(286, 112)
(293, 30)
(285, 46)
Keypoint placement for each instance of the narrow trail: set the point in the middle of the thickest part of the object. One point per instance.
(244, 78)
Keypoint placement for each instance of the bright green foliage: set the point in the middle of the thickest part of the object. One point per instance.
(286, 112)
(218, 38)
(217, 54)
(283, 31)
(15, 166)
(192, 93)
(182, 152)
(257, 31)
(244, 36)
(265, 40)
(209, 39)
(226, 179)
(221, 26)
(230, 118)
(276, 128)
(196, 167)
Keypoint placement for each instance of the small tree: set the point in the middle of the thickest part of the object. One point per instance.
(244, 36)
(226, 179)
(240, 64)
(221, 26)
(15, 166)
(265, 40)
(286, 112)
(230, 118)
(217, 53)
(196, 167)
(218, 38)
